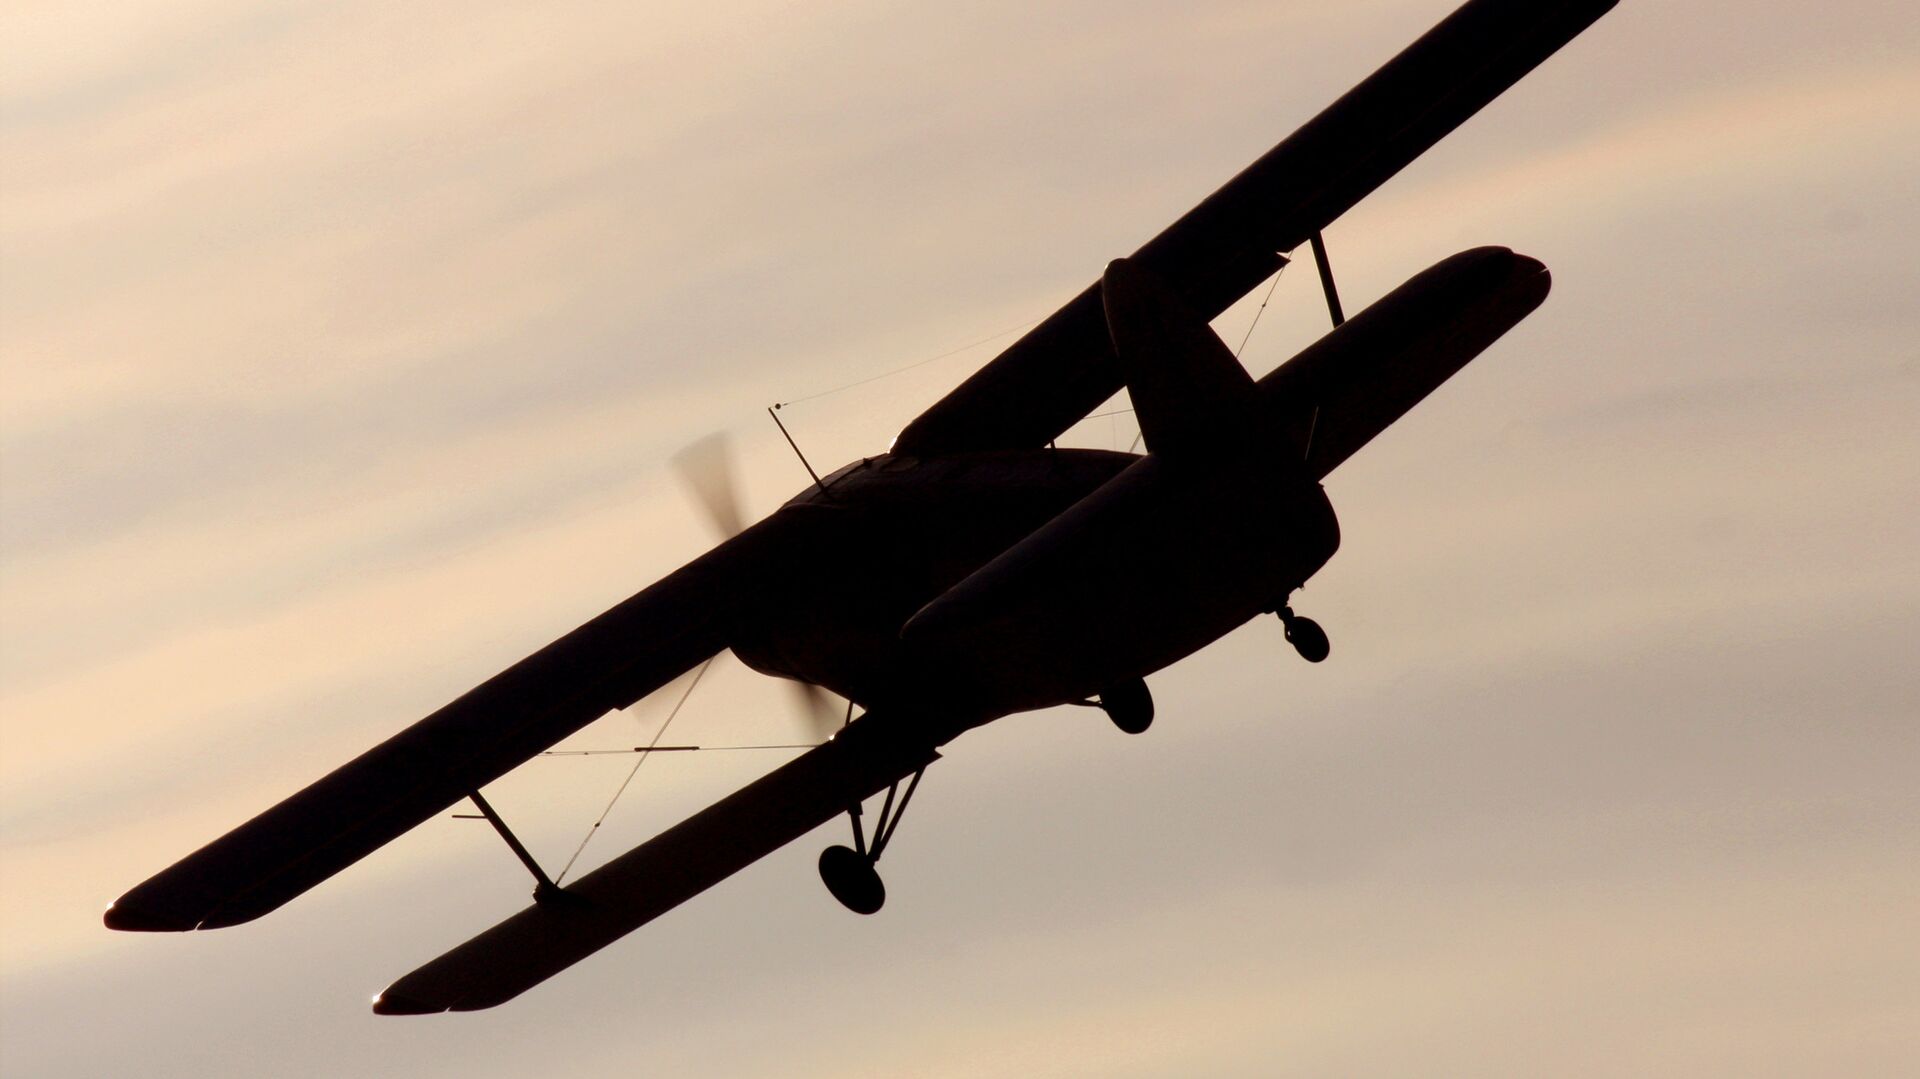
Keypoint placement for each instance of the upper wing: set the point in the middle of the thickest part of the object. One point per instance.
(662, 873)
(608, 663)
(1046, 381)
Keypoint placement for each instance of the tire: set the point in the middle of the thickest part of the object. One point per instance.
(1308, 639)
(851, 878)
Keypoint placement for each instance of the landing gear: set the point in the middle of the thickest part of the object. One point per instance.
(848, 872)
(1129, 705)
(1305, 635)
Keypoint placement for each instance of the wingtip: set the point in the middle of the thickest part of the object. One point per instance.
(1125, 276)
(1535, 273)
(391, 1003)
(134, 918)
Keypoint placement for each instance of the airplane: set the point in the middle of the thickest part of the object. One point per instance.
(976, 569)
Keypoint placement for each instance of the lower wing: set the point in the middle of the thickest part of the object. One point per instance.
(660, 874)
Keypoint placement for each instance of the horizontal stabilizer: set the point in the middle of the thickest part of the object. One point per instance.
(660, 874)
(1224, 247)
(1356, 381)
(608, 663)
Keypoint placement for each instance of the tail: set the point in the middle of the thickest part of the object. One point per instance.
(1355, 382)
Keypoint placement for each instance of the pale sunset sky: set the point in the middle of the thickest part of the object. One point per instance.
(345, 346)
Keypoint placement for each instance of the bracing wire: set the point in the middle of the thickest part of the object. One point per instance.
(1271, 289)
(642, 759)
(673, 749)
(1009, 331)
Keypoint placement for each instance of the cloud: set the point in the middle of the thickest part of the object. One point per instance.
(343, 344)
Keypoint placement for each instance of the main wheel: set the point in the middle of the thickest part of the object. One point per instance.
(1308, 638)
(852, 879)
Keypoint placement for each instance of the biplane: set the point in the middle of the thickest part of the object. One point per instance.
(976, 569)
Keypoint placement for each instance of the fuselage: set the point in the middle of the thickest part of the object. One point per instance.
(1080, 569)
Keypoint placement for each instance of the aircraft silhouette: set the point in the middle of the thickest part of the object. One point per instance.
(973, 570)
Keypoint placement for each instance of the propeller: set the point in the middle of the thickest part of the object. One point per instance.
(706, 469)
(818, 709)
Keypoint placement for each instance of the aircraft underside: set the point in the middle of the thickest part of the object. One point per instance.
(1112, 596)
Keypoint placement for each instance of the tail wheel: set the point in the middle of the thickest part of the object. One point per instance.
(1129, 705)
(1306, 636)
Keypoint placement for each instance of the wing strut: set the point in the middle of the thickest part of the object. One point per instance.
(1325, 266)
(544, 889)
(1326, 279)
(865, 758)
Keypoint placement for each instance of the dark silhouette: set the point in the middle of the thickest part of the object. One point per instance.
(974, 571)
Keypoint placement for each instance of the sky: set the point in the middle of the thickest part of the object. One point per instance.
(345, 346)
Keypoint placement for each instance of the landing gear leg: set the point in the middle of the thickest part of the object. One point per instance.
(1305, 635)
(848, 872)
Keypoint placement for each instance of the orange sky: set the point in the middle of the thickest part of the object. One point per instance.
(345, 346)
